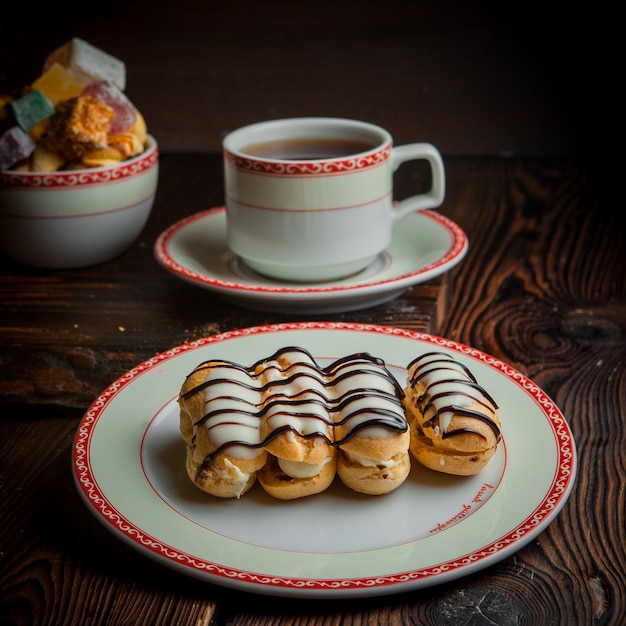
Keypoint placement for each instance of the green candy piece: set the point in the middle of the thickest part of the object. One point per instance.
(31, 109)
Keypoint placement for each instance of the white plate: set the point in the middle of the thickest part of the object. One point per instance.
(129, 468)
(425, 245)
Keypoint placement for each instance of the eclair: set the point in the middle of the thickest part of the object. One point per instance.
(371, 430)
(293, 426)
(454, 424)
(219, 405)
(296, 426)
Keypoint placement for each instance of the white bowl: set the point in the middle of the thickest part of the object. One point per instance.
(77, 218)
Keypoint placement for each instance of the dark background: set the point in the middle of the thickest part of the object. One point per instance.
(474, 78)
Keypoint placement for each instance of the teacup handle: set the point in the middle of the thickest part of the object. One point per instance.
(431, 199)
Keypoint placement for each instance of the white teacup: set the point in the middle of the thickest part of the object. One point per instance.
(311, 199)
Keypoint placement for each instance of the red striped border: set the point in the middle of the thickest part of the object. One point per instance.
(457, 247)
(308, 168)
(514, 539)
(79, 178)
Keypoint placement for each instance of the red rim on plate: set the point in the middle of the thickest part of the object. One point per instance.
(499, 543)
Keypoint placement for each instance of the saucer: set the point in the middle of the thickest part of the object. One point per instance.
(425, 244)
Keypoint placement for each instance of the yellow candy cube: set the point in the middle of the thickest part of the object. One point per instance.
(58, 84)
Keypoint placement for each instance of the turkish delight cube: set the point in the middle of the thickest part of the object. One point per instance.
(125, 112)
(87, 62)
(15, 146)
(31, 108)
(58, 84)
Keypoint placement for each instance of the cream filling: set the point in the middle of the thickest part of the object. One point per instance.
(233, 475)
(298, 469)
(365, 462)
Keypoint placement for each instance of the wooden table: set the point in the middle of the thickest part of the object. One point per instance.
(542, 288)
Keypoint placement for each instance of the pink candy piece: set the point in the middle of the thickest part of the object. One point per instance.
(15, 146)
(125, 112)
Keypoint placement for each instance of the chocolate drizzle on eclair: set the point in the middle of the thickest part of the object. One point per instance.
(355, 391)
(449, 388)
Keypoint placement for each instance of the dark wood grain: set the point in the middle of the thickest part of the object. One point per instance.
(69, 334)
(58, 565)
(550, 301)
(542, 288)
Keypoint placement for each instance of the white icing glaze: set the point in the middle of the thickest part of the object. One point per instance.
(233, 402)
(237, 399)
(360, 410)
(442, 375)
(306, 419)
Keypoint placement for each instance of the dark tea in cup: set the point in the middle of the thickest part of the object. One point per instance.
(308, 148)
